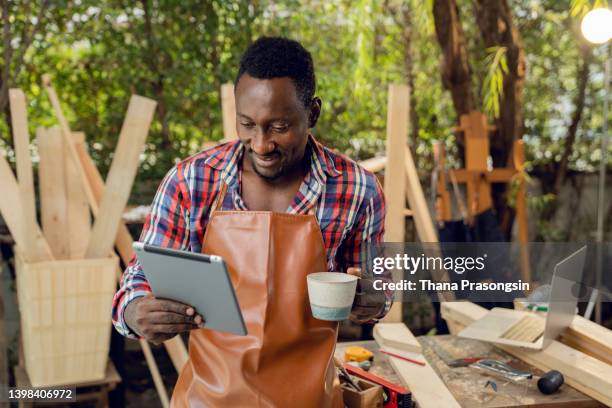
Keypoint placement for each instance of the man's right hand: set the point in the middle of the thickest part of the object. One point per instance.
(158, 320)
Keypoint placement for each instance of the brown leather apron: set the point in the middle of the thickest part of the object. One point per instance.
(285, 360)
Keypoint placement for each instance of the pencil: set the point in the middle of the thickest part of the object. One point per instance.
(403, 358)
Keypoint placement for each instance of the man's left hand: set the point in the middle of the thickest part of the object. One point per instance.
(369, 302)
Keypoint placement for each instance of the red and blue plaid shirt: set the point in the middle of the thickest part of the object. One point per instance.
(347, 201)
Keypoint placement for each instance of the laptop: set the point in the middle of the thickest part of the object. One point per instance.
(529, 330)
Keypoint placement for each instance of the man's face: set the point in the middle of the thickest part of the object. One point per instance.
(272, 123)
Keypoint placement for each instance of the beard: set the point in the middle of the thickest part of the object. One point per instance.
(269, 173)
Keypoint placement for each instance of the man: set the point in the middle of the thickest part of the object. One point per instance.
(276, 205)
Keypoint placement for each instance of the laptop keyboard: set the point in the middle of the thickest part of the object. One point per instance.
(528, 329)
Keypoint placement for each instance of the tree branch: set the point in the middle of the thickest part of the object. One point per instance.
(8, 54)
(579, 100)
(26, 41)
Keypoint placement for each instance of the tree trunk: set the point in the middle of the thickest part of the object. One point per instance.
(494, 19)
(455, 67)
(552, 183)
(579, 100)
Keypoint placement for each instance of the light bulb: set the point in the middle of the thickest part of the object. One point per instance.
(597, 25)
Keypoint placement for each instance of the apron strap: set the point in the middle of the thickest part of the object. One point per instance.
(219, 198)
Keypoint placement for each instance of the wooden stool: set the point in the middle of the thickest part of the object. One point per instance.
(85, 391)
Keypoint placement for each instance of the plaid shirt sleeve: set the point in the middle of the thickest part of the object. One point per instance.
(167, 226)
(369, 229)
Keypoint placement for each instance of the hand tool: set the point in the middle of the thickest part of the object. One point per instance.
(358, 354)
(364, 365)
(344, 375)
(394, 396)
(503, 369)
(550, 382)
(464, 362)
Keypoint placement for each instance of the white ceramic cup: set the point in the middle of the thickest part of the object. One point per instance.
(331, 295)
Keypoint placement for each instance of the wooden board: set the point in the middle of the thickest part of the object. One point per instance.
(374, 164)
(21, 138)
(4, 373)
(79, 218)
(521, 209)
(175, 347)
(396, 335)
(476, 138)
(467, 384)
(442, 202)
(423, 221)
(584, 335)
(11, 210)
(121, 175)
(502, 175)
(581, 371)
(416, 200)
(52, 191)
(398, 112)
(66, 133)
(426, 386)
(228, 109)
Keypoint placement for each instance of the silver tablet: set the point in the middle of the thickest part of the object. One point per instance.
(195, 279)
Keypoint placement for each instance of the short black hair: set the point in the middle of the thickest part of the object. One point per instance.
(276, 57)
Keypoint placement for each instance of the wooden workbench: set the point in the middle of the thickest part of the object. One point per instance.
(467, 384)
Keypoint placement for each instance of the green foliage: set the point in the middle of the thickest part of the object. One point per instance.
(179, 53)
(580, 7)
(493, 89)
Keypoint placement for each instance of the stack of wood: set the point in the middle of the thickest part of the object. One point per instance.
(72, 195)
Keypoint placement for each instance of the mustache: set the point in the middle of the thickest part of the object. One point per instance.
(274, 153)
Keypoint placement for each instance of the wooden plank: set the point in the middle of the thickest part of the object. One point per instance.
(500, 175)
(584, 335)
(4, 373)
(228, 108)
(396, 335)
(477, 149)
(426, 387)
(11, 210)
(581, 371)
(123, 242)
(21, 138)
(423, 221)
(157, 379)
(416, 198)
(374, 164)
(443, 203)
(52, 191)
(518, 153)
(121, 175)
(398, 113)
(590, 338)
(67, 135)
(79, 219)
